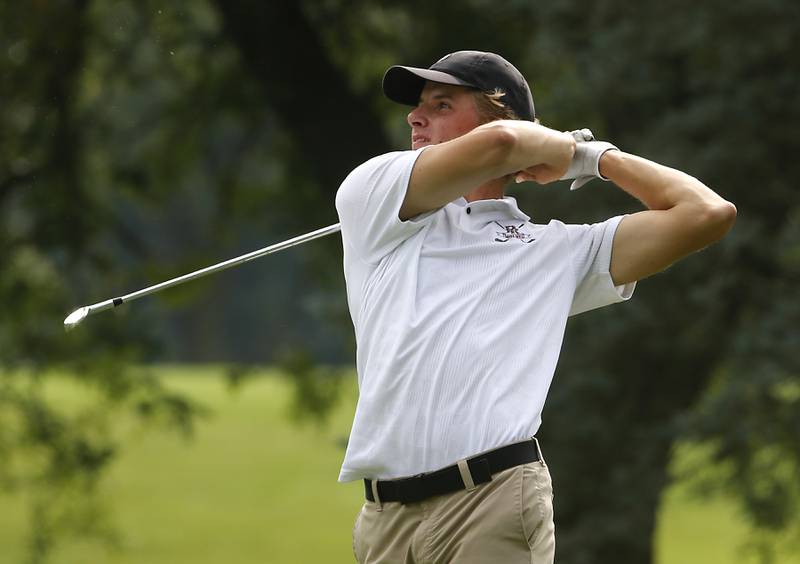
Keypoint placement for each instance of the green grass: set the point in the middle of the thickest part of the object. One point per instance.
(693, 531)
(253, 487)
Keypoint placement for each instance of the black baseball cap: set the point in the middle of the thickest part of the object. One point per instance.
(474, 69)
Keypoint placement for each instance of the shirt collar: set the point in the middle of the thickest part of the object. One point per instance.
(494, 209)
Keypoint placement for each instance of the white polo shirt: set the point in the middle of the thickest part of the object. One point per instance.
(459, 316)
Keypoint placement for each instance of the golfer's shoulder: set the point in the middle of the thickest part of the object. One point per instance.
(395, 161)
(383, 170)
(553, 227)
(557, 231)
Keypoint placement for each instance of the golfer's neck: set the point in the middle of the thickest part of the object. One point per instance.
(492, 190)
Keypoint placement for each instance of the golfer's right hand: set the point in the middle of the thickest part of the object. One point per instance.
(546, 173)
(541, 174)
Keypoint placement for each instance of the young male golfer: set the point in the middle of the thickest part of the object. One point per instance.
(460, 302)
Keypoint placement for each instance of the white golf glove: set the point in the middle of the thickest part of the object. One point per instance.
(582, 135)
(585, 163)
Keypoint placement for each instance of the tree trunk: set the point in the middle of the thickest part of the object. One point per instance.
(332, 126)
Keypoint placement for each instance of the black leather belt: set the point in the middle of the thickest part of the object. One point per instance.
(447, 480)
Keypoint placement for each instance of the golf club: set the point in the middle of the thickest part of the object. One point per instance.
(81, 313)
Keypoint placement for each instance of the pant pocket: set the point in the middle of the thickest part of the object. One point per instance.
(356, 537)
(537, 505)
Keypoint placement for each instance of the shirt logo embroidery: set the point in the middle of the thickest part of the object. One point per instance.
(513, 232)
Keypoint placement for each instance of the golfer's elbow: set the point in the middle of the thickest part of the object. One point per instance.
(713, 220)
(720, 217)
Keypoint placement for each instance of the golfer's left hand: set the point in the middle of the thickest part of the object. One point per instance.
(585, 164)
(582, 135)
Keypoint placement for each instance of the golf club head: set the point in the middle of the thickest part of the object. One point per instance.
(75, 317)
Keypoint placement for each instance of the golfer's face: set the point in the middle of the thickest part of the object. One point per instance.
(444, 112)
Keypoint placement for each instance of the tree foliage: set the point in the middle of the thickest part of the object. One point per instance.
(705, 352)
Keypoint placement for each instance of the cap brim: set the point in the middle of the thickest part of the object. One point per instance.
(404, 84)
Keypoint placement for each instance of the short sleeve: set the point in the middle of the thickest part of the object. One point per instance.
(368, 203)
(590, 249)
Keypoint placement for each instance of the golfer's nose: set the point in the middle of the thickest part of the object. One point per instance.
(417, 118)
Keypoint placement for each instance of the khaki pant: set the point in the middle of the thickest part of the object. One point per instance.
(506, 520)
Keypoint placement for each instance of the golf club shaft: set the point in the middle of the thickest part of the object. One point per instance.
(108, 304)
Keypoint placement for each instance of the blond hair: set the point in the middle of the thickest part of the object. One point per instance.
(491, 107)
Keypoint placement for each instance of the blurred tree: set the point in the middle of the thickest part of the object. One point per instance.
(57, 243)
(706, 351)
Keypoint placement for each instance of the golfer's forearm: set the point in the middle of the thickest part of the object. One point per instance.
(489, 152)
(662, 188)
(534, 144)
